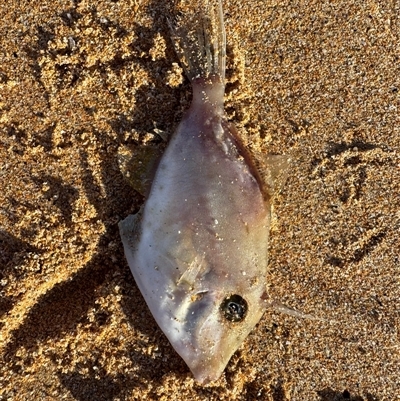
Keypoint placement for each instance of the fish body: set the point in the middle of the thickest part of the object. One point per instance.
(198, 249)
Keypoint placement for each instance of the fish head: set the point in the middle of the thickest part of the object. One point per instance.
(214, 323)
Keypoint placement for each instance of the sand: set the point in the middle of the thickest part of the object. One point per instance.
(316, 80)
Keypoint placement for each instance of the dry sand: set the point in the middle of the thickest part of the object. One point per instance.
(318, 80)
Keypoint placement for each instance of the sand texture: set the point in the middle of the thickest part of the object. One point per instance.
(318, 80)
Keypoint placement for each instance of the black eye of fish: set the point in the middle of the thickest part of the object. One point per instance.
(234, 308)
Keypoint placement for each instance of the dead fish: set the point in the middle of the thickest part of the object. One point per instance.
(198, 249)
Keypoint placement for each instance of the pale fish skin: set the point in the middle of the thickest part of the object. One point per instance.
(198, 249)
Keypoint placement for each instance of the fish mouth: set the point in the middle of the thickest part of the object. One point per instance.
(207, 338)
(206, 374)
(210, 353)
(206, 362)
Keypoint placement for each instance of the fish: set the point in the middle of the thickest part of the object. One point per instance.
(198, 247)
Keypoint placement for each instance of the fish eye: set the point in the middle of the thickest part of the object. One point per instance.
(234, 308)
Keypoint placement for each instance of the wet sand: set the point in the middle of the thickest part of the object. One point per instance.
(317, 80)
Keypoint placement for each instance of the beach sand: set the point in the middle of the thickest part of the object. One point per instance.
(316, 80)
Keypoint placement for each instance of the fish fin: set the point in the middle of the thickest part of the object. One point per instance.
(269, 170)
(199, 39)
(138, 165)
(272, 169)
(279, 307)
(192, 272)
(129, 228)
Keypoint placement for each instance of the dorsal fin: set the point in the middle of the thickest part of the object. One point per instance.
(281, 308)
(269, 170)
(272, 169)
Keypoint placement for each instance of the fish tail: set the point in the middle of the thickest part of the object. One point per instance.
(199, 39)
